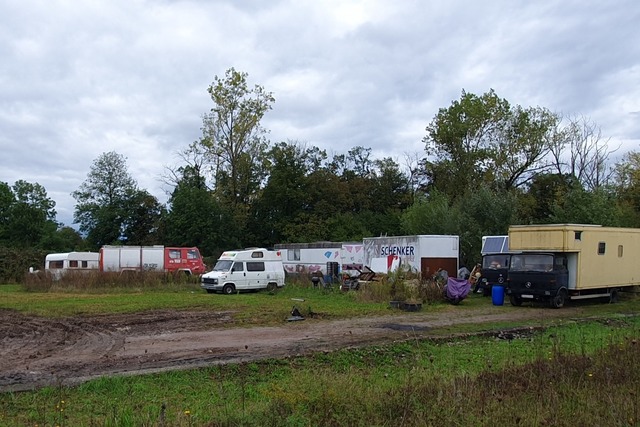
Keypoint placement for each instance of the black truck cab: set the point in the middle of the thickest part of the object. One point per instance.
(494, 271)
(538, 276)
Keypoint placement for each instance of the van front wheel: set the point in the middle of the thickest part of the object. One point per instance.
(228, 289)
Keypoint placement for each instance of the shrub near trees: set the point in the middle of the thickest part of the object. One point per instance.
(28, 230)
(487, 164)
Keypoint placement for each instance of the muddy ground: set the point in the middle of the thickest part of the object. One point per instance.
(36, 351)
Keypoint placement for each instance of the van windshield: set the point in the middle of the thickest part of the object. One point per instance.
(223, 265)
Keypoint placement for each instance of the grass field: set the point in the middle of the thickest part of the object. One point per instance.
(578, 373)
(251, 308)
(258, 308)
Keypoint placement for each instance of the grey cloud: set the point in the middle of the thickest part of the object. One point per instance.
(79, 79)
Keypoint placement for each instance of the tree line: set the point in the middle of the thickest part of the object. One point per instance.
(486, 164)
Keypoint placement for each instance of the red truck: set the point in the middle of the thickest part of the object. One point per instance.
(151, 258)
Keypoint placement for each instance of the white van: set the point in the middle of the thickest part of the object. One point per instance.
(249, 269)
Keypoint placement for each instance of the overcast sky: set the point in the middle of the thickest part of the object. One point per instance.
(80, 78)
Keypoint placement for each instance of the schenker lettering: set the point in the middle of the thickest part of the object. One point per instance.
(397, 250)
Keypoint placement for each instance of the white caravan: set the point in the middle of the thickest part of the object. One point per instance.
(245, 270)
(316, 257)
(60, 264)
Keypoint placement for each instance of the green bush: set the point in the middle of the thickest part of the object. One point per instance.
(15, 263)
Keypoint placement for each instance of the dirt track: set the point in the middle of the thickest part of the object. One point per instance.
(36, 352)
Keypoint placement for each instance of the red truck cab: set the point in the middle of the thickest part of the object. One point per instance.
(183, 259)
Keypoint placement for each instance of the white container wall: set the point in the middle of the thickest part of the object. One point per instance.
(421, 253)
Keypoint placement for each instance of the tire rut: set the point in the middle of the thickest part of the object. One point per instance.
(37, 352)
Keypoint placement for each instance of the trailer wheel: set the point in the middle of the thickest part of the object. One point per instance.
(272, 287)
(210, 291)
(228, 289)
(559, 300)
(613, 296)
(516, 301)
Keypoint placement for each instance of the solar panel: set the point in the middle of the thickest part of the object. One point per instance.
(495, 244)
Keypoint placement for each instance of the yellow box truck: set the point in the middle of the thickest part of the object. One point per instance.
(558, 262)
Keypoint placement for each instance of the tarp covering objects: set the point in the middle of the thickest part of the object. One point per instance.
(456, 289)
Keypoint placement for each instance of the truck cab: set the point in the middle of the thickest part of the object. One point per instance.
(494, 271)
(184, 260)
(538, 277)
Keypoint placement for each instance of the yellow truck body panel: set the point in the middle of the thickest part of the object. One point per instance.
(600, 257)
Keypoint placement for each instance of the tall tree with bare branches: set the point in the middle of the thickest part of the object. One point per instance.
(581, 151)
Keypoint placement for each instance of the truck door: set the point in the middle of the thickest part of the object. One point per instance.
(194, 260)
(174, 261)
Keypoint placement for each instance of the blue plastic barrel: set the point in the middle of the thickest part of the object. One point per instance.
(497, 294)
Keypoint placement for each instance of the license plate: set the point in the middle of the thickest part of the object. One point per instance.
(526, 296)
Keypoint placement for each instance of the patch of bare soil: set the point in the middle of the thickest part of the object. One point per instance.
(36, 351)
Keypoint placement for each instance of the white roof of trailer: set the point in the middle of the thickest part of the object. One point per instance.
(80, 256)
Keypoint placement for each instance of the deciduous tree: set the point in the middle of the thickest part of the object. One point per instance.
(235, 141)
(105, 199)
(27, 215)
(195, 218)
(483, 140)
(143, 220)
(581, 151)
(626, 183)
(286, 193)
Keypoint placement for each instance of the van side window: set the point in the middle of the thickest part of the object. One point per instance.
(257, 255)
(601, 248)
(73, 263)
(174, 253)
(255, 266)
(237, 266)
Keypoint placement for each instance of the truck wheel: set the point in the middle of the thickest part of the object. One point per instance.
(228, 289)
(559, 300)
(515, 300)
